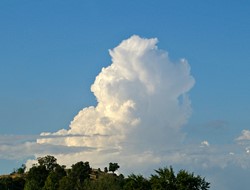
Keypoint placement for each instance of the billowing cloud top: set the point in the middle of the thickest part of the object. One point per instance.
(141, 103)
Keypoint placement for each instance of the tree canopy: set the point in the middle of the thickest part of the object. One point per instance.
(113, 167)
(49, 175)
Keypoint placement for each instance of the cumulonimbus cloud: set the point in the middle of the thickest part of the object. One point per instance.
(142, 103)
(142, 106)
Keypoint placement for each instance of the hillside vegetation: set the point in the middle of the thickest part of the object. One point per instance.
(49, 175)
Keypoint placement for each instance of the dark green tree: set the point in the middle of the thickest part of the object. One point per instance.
(20, 170)
(80, 171)
(36, 178)
(18, 183)
(32, 185)
(48, 175)
(66, 183)
(188, 181)
(52, 181)
(106, 181)
(136, 182)
(106, 170)
(76, 176)
(113, 167)
(163, 179)
(50, 162)
(6, 183)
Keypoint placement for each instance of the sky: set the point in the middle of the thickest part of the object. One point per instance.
(145, 84)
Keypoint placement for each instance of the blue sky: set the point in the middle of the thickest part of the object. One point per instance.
(51, 52)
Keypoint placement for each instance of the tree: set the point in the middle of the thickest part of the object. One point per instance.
(52, 181)
(48, 175)
(187, 181)
(32, 185)
(113, 167)
(6, 183)
(106, 170)
(20, 170)
(80, 171)
(36, 178)
(76, 176)
(38, 174)
(106, 181)
(66, 183)
(50, 162)
(18, 183)
(137, 182)
(166, 179)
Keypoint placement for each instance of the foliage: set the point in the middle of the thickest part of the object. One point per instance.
(106, 170)
(80, 171)
(37, 175)
(113, 167)
(110, 182)
(137, 182)
(66, 183)
(48, 161)
(7, 183)
(187, 181)
(48, 175)
(20, 170)
(36, 178)
(32, 185)
(52, 181)
(166, 179)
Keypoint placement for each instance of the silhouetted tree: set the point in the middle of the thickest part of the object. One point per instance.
(52, 181)
(106, 181)
(136, 182)
(48, 175)
(20, 170)
(113, 167)
(36, 177)
(80, 171)
(6, 183)
(66, 183)
(187, 181)
(166, 179)
(106, 170)
(50, 162)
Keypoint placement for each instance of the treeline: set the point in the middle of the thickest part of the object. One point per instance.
(49, 175)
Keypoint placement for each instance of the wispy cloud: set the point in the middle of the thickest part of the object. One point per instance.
(245, 136)
(16, 139)
(31, 149)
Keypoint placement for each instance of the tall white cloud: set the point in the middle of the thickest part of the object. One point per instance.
(142, 103)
